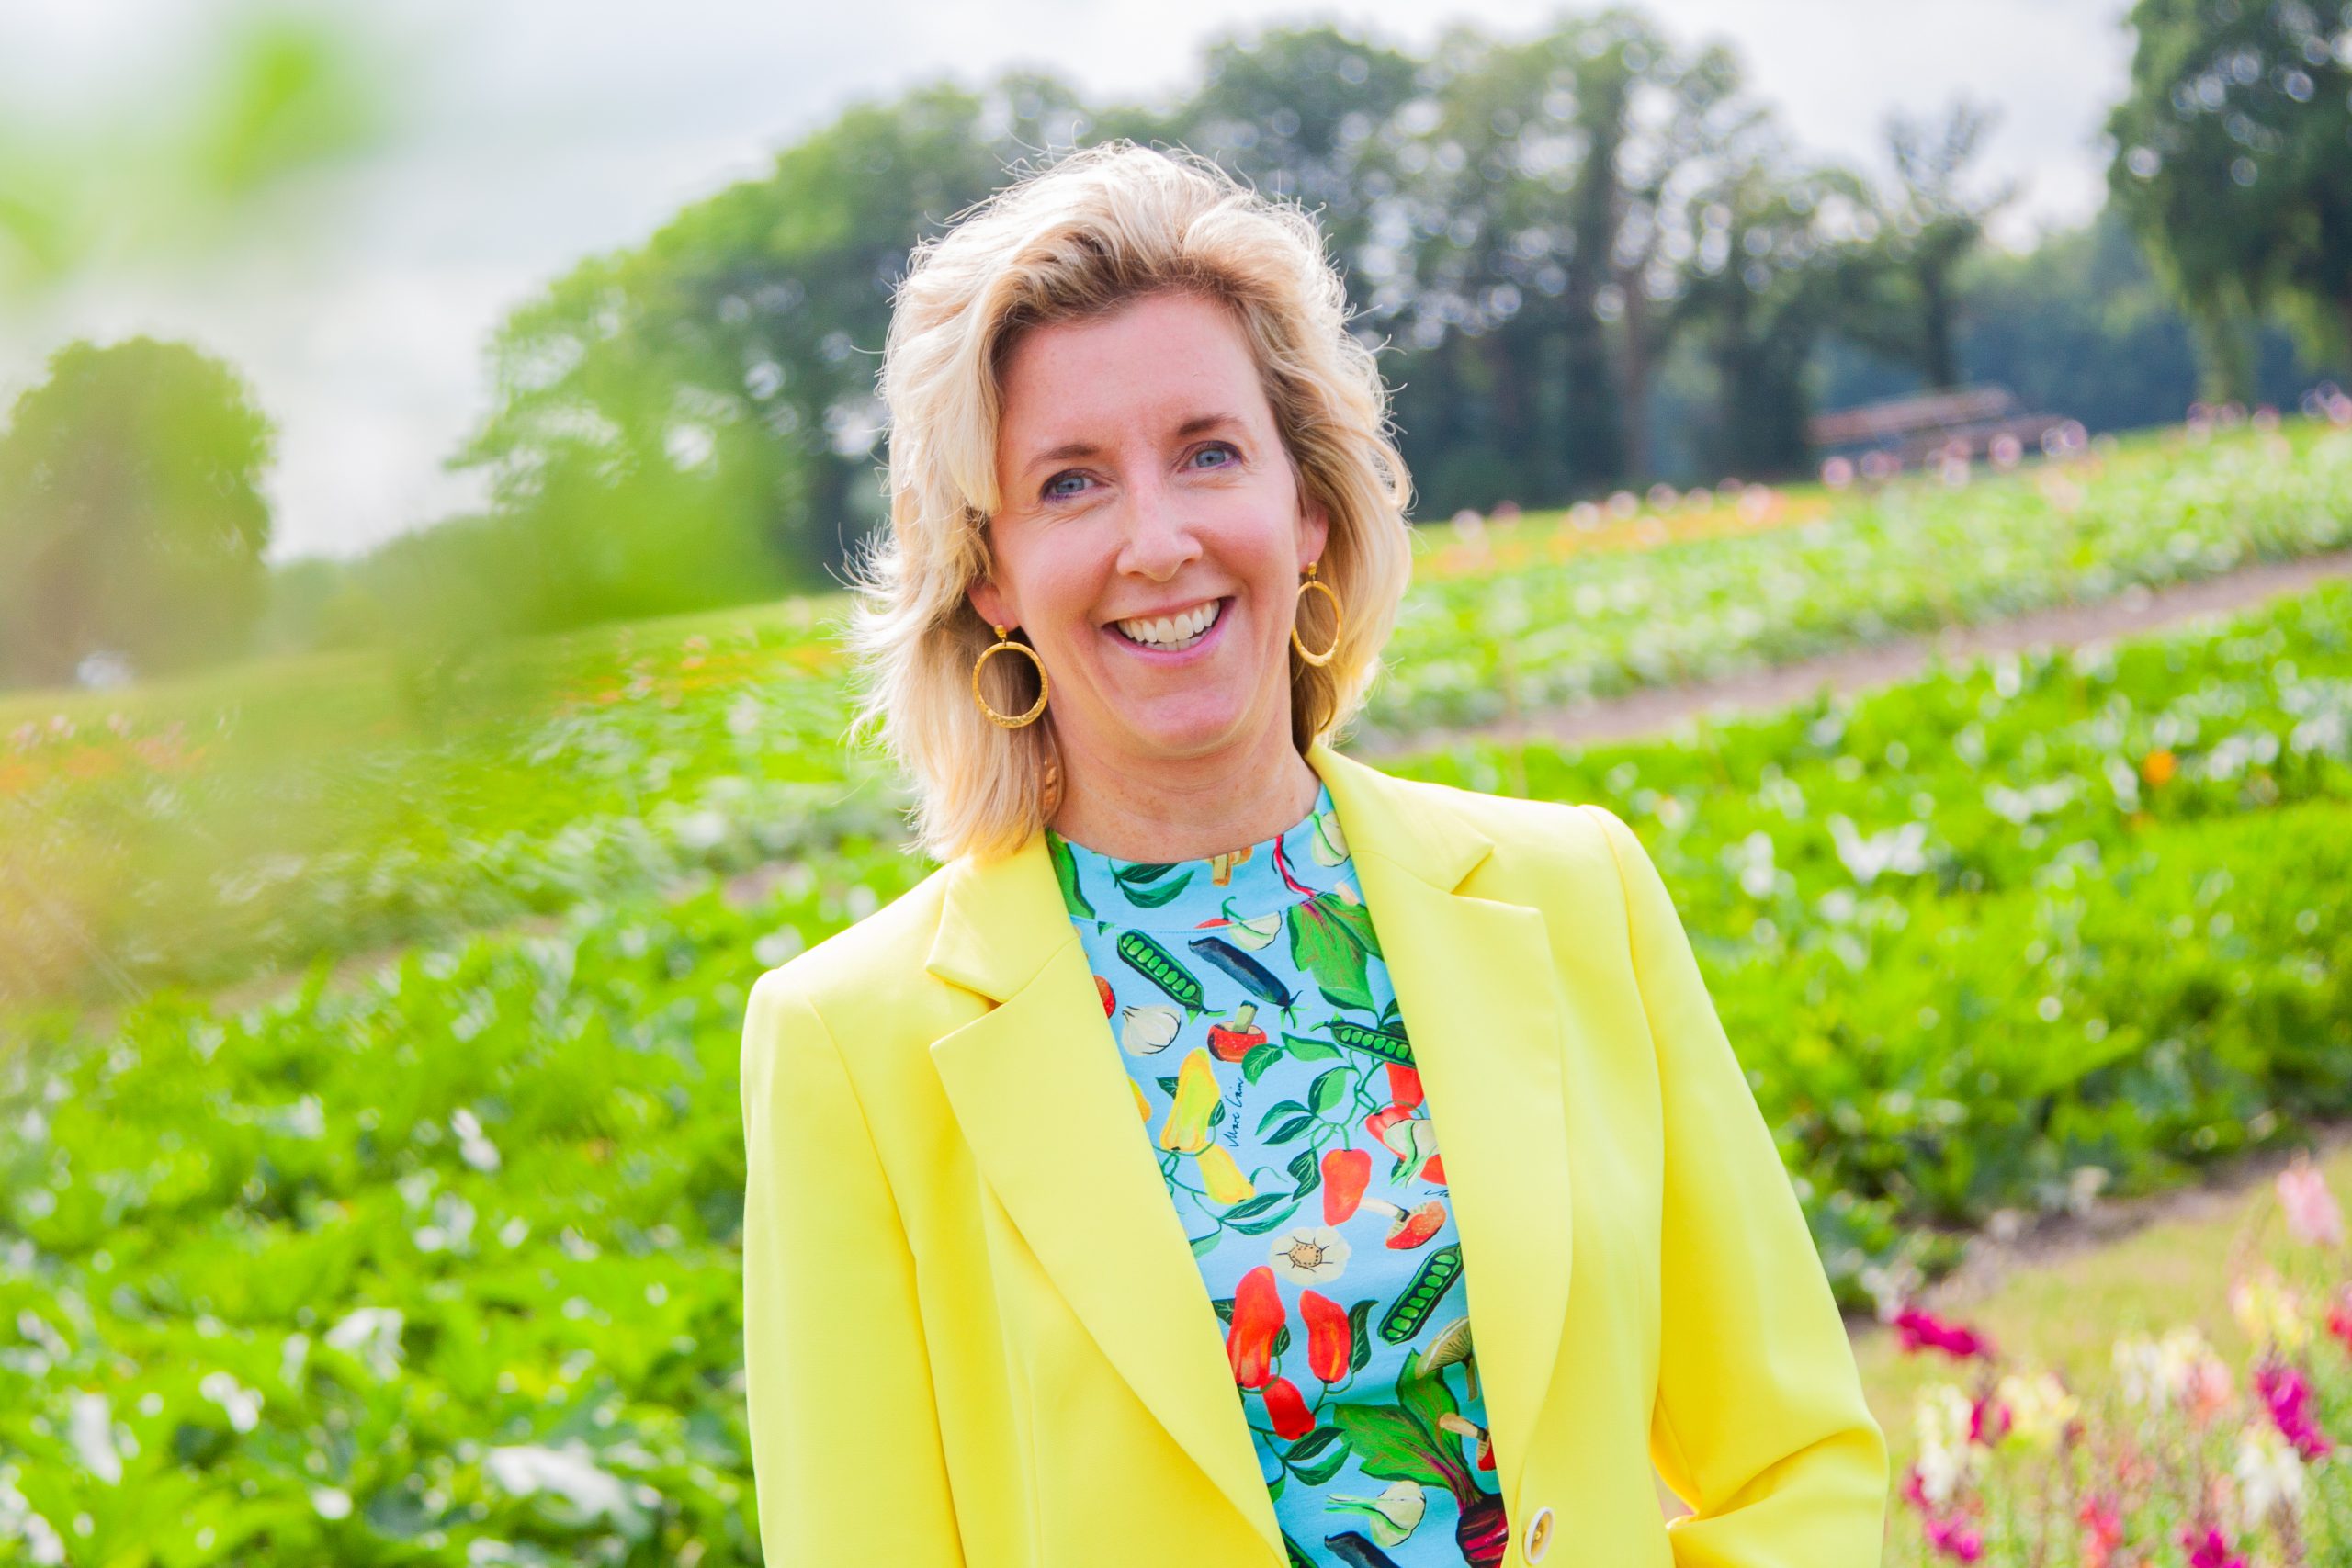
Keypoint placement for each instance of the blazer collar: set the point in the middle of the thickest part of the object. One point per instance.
(1044, 1101)
(1005, 917)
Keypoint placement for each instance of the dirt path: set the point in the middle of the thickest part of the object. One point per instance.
(1650, 712)
(2011, 1244)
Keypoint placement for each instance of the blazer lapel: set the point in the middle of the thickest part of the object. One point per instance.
(1042, 1100)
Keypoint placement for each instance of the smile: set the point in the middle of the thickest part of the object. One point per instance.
(1172, 634)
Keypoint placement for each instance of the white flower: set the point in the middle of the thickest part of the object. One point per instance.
(569, 1473)
(1896, 849)
(243, 1404)
(373, 1334)
(330, 1502)
(2156, 1374)
(1948, 1461)
(473, 1148)
(1310, 1255)
(90, 1428)
(2269, 1473)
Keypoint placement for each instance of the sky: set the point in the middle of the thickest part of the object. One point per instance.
(538, 132)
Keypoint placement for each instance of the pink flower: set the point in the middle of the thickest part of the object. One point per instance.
(2312, 1216)
(2102, 1531)
(1922, 1330)
(1956, 1539)
(1988, 1421)
(2339, 1316)
(1915, 1489)
(2210, 1550)
(2289, 1398)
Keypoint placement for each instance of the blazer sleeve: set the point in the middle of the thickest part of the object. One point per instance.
(1759, 1424)
(846, 1458)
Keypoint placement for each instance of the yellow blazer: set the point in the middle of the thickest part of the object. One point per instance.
(974, 1334)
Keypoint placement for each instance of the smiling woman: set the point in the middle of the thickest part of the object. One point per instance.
(1123, 390)
(1096, 1208)
(1158, 576)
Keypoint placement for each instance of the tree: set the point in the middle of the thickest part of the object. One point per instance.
(704, 407)
(1298, 113)
(1540, 261)
(131, 520)
(1772, 243)
(2234, 160)
(1907, 301)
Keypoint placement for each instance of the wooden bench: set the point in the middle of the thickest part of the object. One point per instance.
(1964, 422)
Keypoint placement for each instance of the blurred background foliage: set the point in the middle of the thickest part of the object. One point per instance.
(1593, 259)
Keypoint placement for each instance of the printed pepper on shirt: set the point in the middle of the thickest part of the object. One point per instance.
(1246, 995)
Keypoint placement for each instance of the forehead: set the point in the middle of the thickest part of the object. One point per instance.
(1166, 357)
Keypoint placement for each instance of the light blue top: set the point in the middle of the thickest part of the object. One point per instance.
(1247, 997)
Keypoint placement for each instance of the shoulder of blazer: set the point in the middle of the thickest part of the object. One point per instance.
(1551, 855)
(840, 976)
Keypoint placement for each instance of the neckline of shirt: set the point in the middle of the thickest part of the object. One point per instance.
(1253, 880)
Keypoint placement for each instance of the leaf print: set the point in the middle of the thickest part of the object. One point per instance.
(1332, 943)
(1426, 1395)
(1135, 884)
(1359, 1334)
(1329, 1090)
(1309, 1050)
(1261, 1057)
(1388, 1444)
(1065, 873)
(1329, 1452)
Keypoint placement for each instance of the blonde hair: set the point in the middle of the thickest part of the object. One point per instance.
(1093, 231)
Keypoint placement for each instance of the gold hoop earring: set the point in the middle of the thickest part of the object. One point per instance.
(999, 646)
(1338, 622)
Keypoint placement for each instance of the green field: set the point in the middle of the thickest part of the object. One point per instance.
(208, 832)
(440, 1268)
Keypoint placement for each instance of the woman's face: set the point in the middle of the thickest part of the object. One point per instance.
(1143, 480)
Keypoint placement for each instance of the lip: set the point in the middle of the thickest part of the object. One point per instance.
(1201, 649)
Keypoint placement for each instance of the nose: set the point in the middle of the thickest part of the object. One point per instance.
(1159, 538)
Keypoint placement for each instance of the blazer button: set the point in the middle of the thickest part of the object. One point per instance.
(1539, 1535)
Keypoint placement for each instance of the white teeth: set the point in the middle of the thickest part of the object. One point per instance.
(1174, 631)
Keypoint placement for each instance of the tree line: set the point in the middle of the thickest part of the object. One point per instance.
(1593, 257)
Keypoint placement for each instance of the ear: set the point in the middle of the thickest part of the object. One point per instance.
(1314, 529)
(990, 604)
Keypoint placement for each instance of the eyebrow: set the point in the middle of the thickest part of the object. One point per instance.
(1192, 427)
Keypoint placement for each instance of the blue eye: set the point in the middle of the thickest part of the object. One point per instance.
(1049, 493)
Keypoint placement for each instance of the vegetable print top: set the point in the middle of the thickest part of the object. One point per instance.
(1248, 1001)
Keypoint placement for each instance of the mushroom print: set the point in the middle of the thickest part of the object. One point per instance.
(1246, 997)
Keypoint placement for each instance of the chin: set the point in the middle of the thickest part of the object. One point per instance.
(1187, 732)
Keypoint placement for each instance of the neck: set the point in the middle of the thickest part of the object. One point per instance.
(1159, 808)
